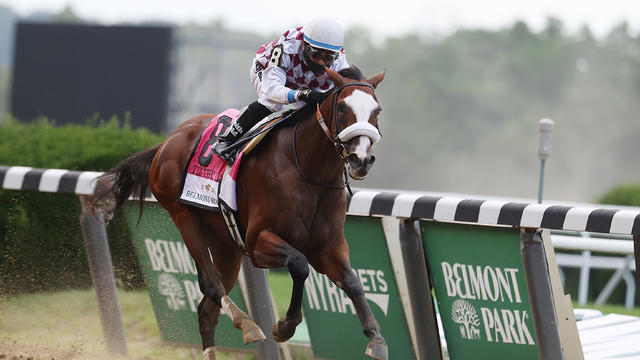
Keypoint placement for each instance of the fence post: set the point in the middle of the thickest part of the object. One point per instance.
(422, 308)
(101, 268)
(260, 308)
(536, 271)
(636, 252)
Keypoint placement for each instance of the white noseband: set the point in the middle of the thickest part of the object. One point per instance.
(358, 129)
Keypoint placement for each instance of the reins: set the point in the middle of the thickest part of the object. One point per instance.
(309, 180)
(337, 143)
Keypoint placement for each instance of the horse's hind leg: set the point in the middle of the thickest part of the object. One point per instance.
(195, 234)
(338, 269)
(226, 259)
(271, 251)
(208, 315)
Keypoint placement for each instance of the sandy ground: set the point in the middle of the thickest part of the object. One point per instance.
(11, 350)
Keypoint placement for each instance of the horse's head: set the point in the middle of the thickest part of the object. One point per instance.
(354, 110)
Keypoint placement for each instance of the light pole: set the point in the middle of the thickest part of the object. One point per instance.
(544, 150)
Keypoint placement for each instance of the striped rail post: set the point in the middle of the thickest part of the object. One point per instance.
(93, 233)
(494, 212)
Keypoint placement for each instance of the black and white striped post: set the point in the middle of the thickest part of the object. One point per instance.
(93, 233)
(494, 212)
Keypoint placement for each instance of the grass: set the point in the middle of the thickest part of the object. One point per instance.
(66, 325)
(610, 309)
(281, 284)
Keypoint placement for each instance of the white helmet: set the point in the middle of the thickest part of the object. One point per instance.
(324, 33)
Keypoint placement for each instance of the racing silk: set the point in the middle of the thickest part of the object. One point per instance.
(275, 83)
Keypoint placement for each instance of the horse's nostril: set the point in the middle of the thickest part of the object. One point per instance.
(353, 157)
(372, 160)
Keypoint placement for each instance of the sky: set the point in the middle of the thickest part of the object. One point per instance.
(384, 18)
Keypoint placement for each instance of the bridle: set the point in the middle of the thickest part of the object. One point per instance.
(338, 144)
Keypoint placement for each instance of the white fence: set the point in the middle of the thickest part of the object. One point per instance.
(613, 253)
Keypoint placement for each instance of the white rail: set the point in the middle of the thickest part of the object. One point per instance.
(619, 256)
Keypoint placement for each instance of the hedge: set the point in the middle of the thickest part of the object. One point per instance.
(626, 195)
(41, 246)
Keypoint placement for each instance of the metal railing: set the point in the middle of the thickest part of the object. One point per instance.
(614, 253)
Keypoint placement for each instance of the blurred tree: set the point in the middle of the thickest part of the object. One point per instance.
(627, 195)
(66, 15)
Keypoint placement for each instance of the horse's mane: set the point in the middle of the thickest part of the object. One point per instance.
(352, 72)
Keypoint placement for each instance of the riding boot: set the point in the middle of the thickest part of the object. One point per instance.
(252, 114)
(227, 140)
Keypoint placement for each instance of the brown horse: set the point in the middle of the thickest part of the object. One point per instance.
(291, 204)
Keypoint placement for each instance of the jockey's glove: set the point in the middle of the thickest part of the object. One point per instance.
(310, 96)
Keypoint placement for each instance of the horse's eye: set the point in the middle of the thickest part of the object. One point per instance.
(377, 112)
(342, 108)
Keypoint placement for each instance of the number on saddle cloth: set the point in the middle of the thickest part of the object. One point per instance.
(223, 124)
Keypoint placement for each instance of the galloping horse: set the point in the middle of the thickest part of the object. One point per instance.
(291, 204)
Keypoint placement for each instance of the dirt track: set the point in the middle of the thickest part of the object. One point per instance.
(10, 350)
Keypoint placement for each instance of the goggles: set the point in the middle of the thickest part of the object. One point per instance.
(320, 54)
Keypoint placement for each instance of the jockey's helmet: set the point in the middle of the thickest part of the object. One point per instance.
(324, 33)
(323, 39)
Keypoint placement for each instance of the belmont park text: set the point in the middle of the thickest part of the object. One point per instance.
(494, 284)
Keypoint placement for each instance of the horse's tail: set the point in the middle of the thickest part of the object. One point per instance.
(129, 177)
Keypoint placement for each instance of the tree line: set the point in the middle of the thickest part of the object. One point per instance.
(461, 111)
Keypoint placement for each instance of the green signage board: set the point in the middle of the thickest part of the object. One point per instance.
(481, 290)
(334, 327)
(172, 280)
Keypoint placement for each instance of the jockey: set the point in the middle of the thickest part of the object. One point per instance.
(290, 70)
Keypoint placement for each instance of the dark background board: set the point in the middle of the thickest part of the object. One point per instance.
(71, 72)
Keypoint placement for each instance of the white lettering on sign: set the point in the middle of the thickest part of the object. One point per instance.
(482, 283)
(169, 257)
(486, 283)
(322, 294)
(506, 326)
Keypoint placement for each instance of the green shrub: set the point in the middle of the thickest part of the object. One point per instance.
(41, 246)
(627, 195)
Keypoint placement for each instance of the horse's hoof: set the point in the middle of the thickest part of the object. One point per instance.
(377, 350)
(209, 353)
(251, 332)
(281, 332)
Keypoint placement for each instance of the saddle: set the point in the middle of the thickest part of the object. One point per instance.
(253, 136)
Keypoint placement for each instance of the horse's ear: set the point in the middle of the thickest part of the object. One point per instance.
(337, 79)
(374, 81)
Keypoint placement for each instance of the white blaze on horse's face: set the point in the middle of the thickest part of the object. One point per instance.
(361, 134)
(362, 104)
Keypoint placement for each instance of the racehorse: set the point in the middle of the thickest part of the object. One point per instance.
(291, 204)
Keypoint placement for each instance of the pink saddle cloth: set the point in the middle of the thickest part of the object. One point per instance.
(206, 174)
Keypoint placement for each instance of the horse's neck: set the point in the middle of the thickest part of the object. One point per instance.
(318, 157)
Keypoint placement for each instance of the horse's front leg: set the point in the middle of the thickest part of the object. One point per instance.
(272, 251)
(338, 268)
